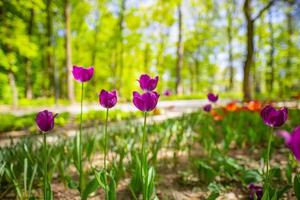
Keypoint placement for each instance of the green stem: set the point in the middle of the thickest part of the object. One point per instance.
(268, 155)
(143, 145)
(45, 165)
(80, 143)
(105, 140)
(105, 153)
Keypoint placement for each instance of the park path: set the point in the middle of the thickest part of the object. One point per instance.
(89, 106)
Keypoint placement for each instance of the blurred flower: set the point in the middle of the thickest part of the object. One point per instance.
(167, 93)
(147, 83)
(255, 190)
(156, 111)
(273, 117)
(254, 106)
(216, 115)
(108, 99)
(212, 97)
(45, 120)
(292, 140)
(232, 107)
(145, 102)
(82, 74)
(207, 107)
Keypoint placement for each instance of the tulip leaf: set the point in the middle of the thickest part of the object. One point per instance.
(297, 186)
(71, 183)
(112, 189)
(91, 187)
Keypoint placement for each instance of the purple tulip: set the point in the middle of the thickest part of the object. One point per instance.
(45, 120)
(147, 83)
(82, 74)
(212, 97)
(255, 190)
(207, 107)
(145, 102)
(292, 141)
(167, 93)
(108, 99)
(273, 117)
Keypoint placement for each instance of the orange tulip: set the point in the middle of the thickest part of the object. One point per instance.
(254, 106)
(232, 107)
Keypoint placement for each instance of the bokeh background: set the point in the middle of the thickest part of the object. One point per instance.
(242, 49)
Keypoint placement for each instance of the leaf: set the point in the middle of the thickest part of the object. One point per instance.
(91, 187)
(251, 176)
(297, 186)
(100, 177)
(112, 195)
(71, 183)
(213, 196)
(48, 195)
(266, 195)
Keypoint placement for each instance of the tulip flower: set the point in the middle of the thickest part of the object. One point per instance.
(81, 74)
(292, 141)
(167, 93)
(273, 117)
(145, 102)
(45, 122)
(207, 107)
(254, 106)
(255, 191)
(108, 99)
(147, 83)
(232, 107)
(212, 97)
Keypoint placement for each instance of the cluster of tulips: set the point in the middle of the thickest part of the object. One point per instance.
(253, 106)
(145, 102)
(272, 117)
(145, 174)
(275, 118)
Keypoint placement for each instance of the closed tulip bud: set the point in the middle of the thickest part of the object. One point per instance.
(212, 97)
(82, 74)
(145, 102)
(108, 99)
(207, 107)
(45, 120)
(273, 117)
(147, 83)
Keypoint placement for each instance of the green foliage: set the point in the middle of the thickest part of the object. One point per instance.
(123, 41)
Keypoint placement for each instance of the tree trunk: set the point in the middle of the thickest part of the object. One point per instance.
(250, 51)
(146, 58)
(230, 54)
(250, 45)
(270, 71)
(13, 86)
(68, 50)
(49, 60)
(28, 62)
(121, 51)
(179, 63)
(197, 74)
(289, 18)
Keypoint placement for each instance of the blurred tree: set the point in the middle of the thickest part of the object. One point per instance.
(179, 63)
(250, 21)
(68, 48)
